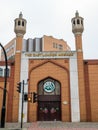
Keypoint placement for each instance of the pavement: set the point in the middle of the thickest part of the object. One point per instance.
(52, 125)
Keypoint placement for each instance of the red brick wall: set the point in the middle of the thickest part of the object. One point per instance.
(92, 79)
(80, 66)
(15, 111)
(9, 92)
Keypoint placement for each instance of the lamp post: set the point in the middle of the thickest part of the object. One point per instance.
(3, 111)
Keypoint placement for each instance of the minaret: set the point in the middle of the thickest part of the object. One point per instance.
(20, 30)
(77, 29)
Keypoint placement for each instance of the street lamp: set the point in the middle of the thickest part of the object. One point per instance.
(3, 111)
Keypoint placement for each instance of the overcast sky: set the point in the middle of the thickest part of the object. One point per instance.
(52, 18)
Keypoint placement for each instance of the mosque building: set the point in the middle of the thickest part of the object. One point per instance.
(66, 84)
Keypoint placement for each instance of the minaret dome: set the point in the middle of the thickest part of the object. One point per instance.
(77, 24)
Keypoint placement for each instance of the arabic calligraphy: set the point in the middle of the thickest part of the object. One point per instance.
(49, 86)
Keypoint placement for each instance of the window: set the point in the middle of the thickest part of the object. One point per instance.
(53, 45)
(78, 22)
(49, 83)
(8, 72)
(81, 22)
(56, 45)
(74, 22)
(1, 72)
(18, 22)
(22, 23)
(60, 47)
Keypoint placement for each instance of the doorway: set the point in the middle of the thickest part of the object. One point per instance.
(49, 100)
(49, 111)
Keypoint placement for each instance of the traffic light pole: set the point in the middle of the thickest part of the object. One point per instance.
(22, 103)
(3, 112)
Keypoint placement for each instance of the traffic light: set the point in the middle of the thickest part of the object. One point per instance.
(27, 98)
(19, 87)
(35, 96)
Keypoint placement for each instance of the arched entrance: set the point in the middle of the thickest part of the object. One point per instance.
(49, 104)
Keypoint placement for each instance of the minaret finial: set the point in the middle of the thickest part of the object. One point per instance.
(20, 15)
(77, 14)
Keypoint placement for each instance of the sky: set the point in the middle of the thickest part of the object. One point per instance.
(52, 18)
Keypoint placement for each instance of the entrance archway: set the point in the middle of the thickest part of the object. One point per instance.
(49, 104)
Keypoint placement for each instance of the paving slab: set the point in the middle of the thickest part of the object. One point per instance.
(55, 125)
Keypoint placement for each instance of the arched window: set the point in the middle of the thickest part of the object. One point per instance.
(22, 23)
(49, 86)
(74, 22)
(1, 72)
(81, 22)
(18, 22)
(78, 21)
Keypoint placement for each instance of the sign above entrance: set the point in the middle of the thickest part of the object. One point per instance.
(57, 54)
(49, 86)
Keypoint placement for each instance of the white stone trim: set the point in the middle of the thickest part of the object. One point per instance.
(23, 76)
(18, 51)
(74, 90)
